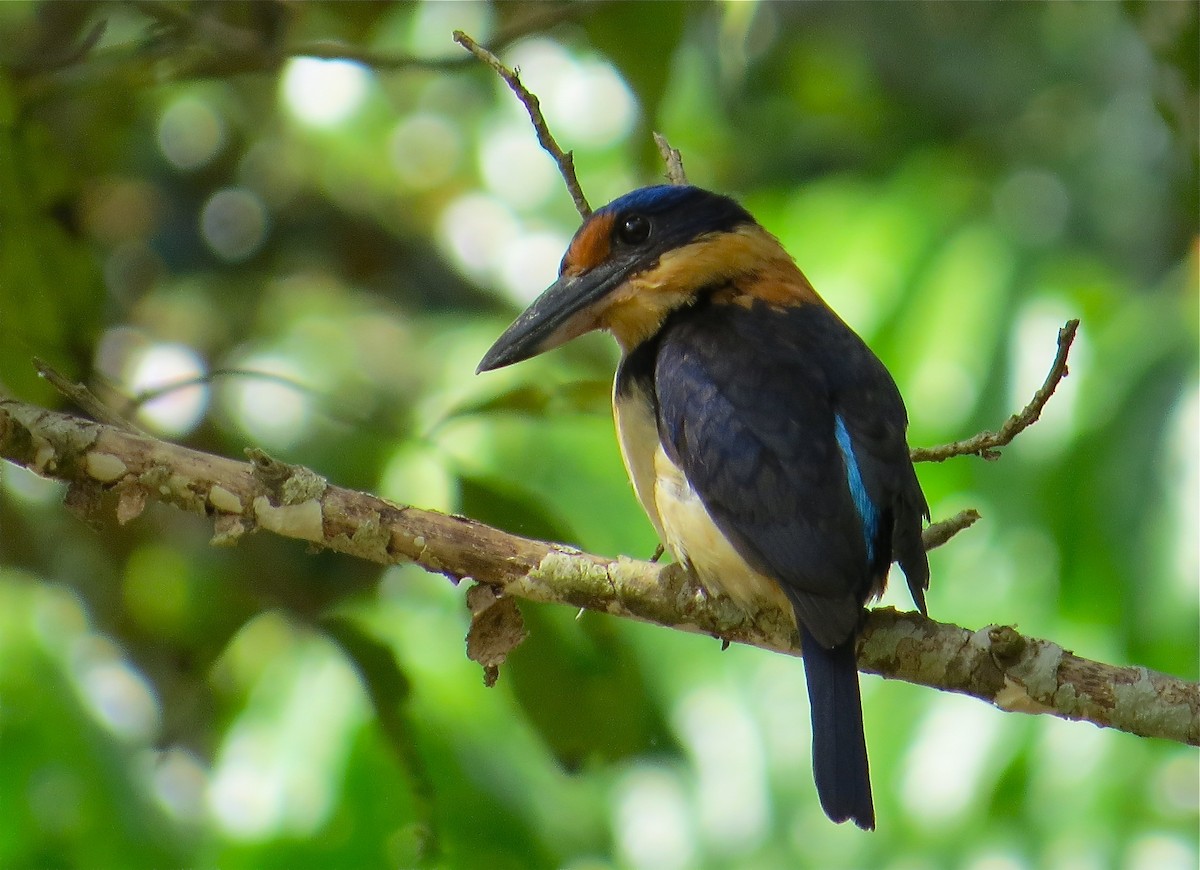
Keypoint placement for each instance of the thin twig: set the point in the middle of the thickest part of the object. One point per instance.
(136, 402)
(538, 17)
(564, 159)
(985, 444)
(672, 158)
(942, 531)
(201, 50)
(84, 398)
(44, 57)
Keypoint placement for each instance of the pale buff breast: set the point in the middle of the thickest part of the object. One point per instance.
(680, 518)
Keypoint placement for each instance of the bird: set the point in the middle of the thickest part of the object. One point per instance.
(765, 440)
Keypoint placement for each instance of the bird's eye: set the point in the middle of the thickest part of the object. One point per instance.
(633, 229)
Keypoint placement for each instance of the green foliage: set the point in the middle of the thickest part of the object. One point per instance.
(331, 248)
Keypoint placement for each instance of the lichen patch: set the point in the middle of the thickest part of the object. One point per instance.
(305, 520)
(224, 500)
(105, 467)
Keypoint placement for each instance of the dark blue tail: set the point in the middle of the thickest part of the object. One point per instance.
(839, 749)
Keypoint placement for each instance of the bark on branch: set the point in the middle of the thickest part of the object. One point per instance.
(995, 663)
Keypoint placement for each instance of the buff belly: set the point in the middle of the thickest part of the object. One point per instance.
(680, 517)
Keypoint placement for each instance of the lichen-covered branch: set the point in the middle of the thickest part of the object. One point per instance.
(995, 664)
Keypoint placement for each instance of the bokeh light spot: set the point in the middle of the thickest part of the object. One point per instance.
(592, 104)
(433, 22)
(516, 169)
(530, 263)
(245, 801)
(426, 150)
(269, 409)
(942, 390)
(179, 782)
(29, 488)
(322, 93)
(234, 223)
(1181, 477)
(1034, 335)
(652, 820)
(118, 697)
(589, 101)
(1175, 784)
(416, 474)
(1161, 851)
(477, 231)
(727, 751)
(542, 63)
(190, 133)
(948, 759)
(1032, 205)
(174, 411)
(59, 619)
(279, 766)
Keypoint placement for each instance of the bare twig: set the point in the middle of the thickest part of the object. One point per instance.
(46, 57)
(83, 398)
(328, 49)
(942, 531)
(136, 402)
(995, 664)
(538, 17)
(986, 444)
(672, 158)
(564, 159)
(201, 48)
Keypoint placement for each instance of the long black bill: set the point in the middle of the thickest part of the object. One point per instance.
(555, 317)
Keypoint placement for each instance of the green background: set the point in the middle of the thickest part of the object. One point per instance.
(331, 248)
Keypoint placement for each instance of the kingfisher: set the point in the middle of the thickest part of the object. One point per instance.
(764, 439)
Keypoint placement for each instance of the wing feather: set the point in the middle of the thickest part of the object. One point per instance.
(749, 404)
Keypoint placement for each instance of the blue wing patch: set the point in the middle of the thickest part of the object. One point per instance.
(792, 433)
(862, 501)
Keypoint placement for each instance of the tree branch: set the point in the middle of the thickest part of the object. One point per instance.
(995, 664)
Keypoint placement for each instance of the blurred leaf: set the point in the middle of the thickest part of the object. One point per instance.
(584, 691)
(49, 290)
(522, 514)
(73, 791)
(389, 689)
